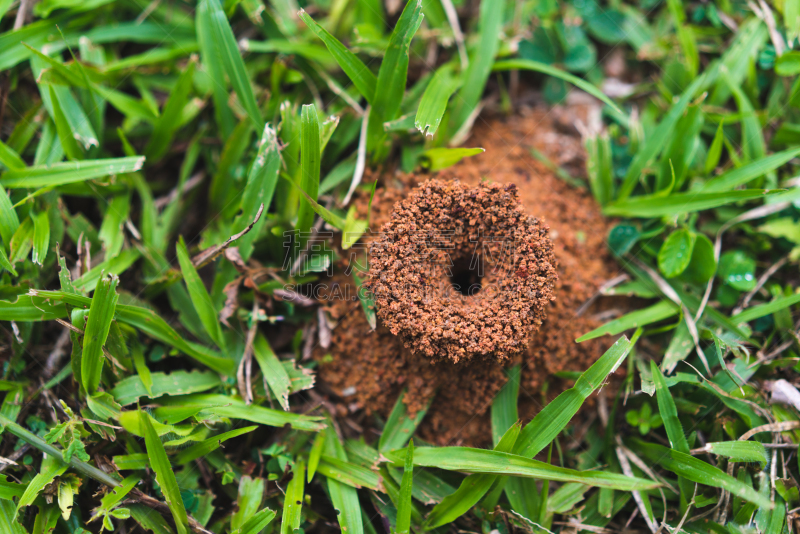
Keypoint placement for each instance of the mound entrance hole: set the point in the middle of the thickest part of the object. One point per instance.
(466, 275)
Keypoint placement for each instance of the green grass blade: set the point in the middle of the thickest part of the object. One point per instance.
(741, 176)
(504, 406)
(472, 488)
(212, 64)
(434, 100)
(57, 174)
(10, 158)
(309, 169)
(101, 313)
(51, 468)
(698, 471)
(762, 310)
(400, 427)
(9, 221)
(404, 501)
(71, 147)
(526, 64)
(353, 475)
(164, 474)
(207, 446)
(658, 140)
(657, 312)
(235, 408)
(41, 237)
(199, 295)
(469, 460)
(677, 438)
(148, 322)
(22, 241)
(393, 73)
(168, 123)
(261, 182)
(549, 422)
(293, 501)
(343, 497)
(130, 389)
(480, 63)
(364, 80)
(232, 62)
(315, 455)
(111, 233)
(258, 522)
(436, 159)
(115, 265)
(659, 206)
(274, 373)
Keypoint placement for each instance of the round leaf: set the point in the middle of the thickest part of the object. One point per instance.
(676, 253)
(738, 270)
(622, 237)
(703, 264)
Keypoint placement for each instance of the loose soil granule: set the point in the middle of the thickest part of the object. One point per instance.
(443, 228)
(367, 370)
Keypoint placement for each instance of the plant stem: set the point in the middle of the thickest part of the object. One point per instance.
(76, 464)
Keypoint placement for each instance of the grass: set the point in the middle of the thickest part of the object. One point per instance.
(118, 279)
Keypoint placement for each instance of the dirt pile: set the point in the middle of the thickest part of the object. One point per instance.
(461, 272)
(368, 370)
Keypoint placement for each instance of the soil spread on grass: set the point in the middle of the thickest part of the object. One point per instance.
(462, 272)
(367, 370)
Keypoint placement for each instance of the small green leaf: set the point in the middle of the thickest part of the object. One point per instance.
(738, 270)
(676, 252)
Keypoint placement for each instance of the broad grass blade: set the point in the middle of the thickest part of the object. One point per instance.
(164, 474)
(232, 61)
(68, 173)
(309, 169)
(549, 422)
(404, 501)
(469, 460)
(527, 64)
(364, 80)
(293, 501)
(101, 313)
(400, 427)
(200, 297)
(650, 206)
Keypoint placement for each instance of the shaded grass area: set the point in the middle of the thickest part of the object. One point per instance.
(167, 167)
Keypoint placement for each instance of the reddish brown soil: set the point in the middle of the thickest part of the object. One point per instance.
(367, 370)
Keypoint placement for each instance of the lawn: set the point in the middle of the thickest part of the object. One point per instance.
(215, 317)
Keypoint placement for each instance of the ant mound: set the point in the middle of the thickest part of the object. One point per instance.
(460, 272)
(364, 371)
